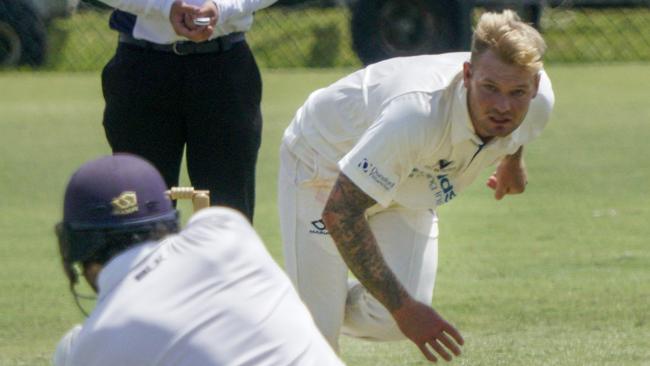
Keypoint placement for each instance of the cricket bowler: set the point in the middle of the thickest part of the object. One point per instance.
(367, 160)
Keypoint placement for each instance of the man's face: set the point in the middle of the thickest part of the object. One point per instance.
(498, 95)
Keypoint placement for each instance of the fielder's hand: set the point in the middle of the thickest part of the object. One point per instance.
(182, 17)
(428, 330)
(509, 178)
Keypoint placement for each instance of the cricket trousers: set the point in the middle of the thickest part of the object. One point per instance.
(159, 103)
(408, 240)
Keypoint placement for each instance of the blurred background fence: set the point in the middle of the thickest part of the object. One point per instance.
(318, 33)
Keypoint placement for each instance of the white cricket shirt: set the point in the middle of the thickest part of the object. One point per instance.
(401, 131)
(211, 295)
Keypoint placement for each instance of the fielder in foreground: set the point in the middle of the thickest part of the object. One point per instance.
(367, 160)
(207, 295)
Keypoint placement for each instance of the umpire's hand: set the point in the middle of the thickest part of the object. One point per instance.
(182, 17)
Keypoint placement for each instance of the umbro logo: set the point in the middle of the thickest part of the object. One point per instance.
(365, 165)
(318, 227)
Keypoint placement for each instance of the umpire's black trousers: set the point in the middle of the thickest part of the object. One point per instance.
(158, 102)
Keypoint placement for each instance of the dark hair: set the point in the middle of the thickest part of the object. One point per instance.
(105, 244)
(118, 241)
(101, 245)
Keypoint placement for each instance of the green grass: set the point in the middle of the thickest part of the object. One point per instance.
(557, 276)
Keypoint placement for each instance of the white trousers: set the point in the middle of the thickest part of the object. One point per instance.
(408, 240)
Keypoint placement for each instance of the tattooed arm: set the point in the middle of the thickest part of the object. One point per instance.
(344, 217)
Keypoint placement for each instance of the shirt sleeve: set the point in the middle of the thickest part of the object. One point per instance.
(64, 348)
(234, 8)
(386, 154)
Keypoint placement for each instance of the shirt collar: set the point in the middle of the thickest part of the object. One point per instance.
(119, 267)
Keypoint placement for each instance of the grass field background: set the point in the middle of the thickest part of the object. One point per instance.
(557, 276)
(320, 37)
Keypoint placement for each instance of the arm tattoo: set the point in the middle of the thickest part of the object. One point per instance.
(345, 219)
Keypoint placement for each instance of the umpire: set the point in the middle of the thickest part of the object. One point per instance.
(184, 76)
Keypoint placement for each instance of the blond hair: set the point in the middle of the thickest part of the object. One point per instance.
(512, 40)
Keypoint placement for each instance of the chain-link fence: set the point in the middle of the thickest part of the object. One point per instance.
(321, 33)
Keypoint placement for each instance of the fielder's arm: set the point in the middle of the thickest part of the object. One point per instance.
(344, 217)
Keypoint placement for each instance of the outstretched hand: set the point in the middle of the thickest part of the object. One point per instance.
(428, 330)
(509, 178)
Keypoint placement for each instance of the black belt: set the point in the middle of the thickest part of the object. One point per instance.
(217, 45)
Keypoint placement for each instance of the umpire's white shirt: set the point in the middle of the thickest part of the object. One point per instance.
(153, 22)
(210, 295)
(401, 131)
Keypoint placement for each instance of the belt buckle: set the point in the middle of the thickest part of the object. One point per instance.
(175, 49)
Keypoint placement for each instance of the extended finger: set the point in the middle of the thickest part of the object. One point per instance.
(449, 329)
(449, 343)
(427, 353)
(440, 350)
(500, 191)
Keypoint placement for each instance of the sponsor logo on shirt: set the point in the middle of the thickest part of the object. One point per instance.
(318, 227)
(369, 169)
(439, 184)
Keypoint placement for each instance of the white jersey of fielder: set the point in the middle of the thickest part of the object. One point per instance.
(400, 130)
(210, 295)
